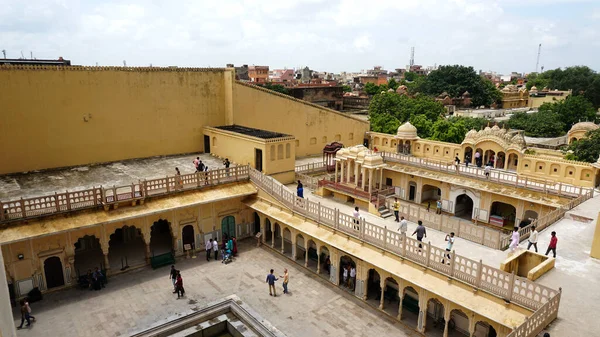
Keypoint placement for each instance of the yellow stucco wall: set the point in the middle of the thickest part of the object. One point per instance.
(595, 252)
(130, 113)
(536, 102)
(312, 126)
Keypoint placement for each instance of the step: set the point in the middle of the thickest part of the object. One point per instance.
(385, 214)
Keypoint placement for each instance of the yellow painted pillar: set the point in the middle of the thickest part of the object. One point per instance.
(595, 252)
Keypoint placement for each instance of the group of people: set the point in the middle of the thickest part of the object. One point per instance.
(228, 249)
(349, 276)
(95, 280)
(177, 280)
(271, 281)
(533, 240)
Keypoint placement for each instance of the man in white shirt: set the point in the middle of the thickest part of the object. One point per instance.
(209, 248)
(345, 277)
(487, 170)
(533, 239)
(215, 247)
(356, 219)
(450, 239)
(403, 226)
(352, 276)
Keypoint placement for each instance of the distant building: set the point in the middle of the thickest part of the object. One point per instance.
(537, 98)
(258, 74)
(327, 96)
(285, 76)
(59, 62)
(514, 97)
(462, 101)
(241, 73)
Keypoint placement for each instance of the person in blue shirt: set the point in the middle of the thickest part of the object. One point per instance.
(271, 281)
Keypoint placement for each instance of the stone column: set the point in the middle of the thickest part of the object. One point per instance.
(148, 253)
(472, 324)
(363, 178)
(282, 242)
(294, 248)
(401, 297)
(349, 171)
(356, 174)
(447, 312)
(318, 262)
(336, 171)
(382, 285)
(341, 171)
(380, 178)
(272, 236)
(370, 180)
(106, 263)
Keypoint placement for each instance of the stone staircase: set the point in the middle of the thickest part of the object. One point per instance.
(384, 212)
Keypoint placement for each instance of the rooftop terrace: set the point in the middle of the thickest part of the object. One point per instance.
(264, 134)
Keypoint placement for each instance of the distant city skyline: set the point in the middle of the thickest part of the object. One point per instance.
(326, 35)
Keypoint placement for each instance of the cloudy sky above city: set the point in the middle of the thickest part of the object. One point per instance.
(326, 35)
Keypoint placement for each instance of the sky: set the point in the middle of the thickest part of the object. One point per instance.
(326, 35)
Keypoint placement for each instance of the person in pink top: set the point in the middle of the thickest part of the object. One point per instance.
(552, 245)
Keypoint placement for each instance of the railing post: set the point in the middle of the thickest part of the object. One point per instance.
(385, 234)
(56, 201)
(145, 186)
(336, 215)
(197, 180)
(1, 211)
(479, 272)
(235, 169)
(404, 240)
(69, 199)
(428, 252)
(23, 212)
(362, 228)
(511, 286)
(525, 181)
(452, 262)
(319, 212)
(168, 189)
(560, 188)
(545, 185)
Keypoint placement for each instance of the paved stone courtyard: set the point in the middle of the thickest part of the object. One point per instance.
(139, 299)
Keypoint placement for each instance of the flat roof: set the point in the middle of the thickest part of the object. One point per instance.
(264, 134)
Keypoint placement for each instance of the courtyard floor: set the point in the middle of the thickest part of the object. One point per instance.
(139, 299)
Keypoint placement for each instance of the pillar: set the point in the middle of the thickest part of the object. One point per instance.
(401, 297)
(356, 174)
(382, 285)
(370, 180)
(147, 253)
(305, 253)
(447, 312)
(272, 236)
(380, 178)
(282, 241)
(341, 171)
(472, 324)
(349, 171)
(294, 248)
(363, 178)
(336, 170)
(106, 263)
(7, 321)
(318, 261)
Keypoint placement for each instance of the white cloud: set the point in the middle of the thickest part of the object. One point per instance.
(332, 35)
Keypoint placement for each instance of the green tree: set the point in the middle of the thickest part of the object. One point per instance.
(540, 124)
(372, 89)
(276, 87)
(447, 131)
(402, 108)
(410, 76)
(586, 149)
(346, 88)
(571, 110)
(457, 79)
(581, 79)
(385, 123)
(392, 84)
(423, 125)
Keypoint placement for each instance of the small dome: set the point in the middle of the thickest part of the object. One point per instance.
(471, 133)
(407, 131)
(533, 88)
(390, 90)
(583, 126)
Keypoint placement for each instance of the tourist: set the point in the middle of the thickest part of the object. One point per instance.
(438, 205)
(286, 279)
(271, 281)
(352, 277)
(403, 226)
(234, 246)
(230, 245)
(552, 245)
(487, 170)
(467, 160)
(24, 315)
(178, 180)
(428, 205)
(300, 190)
(421, 233)
(208, 247)
(356, 219)
(456, 162)
(28, 308)
(396, 208)
(215, 249)
(227, 163)
(196, 163)
(179, 285)
(515, 238)
(478, 159)
(206, 175)
(200, 166)
(450, 239)
(533, 239)
(173, 277)
(345, 276)
(99, 277)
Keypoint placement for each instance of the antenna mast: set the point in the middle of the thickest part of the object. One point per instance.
(537, 63)
(412, 57)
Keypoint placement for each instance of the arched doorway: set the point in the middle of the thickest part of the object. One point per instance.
(287, 243)
(435, 316)
(484, 329)
(374, 288)
(256, 223)
(430, 194)
(463, 207)
(88, 255)
(325, 260)
(53, 271)
(458, 326)
(489, 157)
(277, 236)
(313, 256)
(268, 231)
(412, 191)
(187, 236)
(391, 297)
(228, 227)
(500, 160)
(161, 240)
(410, 307)
(407, 147)
(346, 263)
(300, 249)
(400, 147)
(468, 156)
(530, 215)
(513, 162)
(503, 214)
(126, 247)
